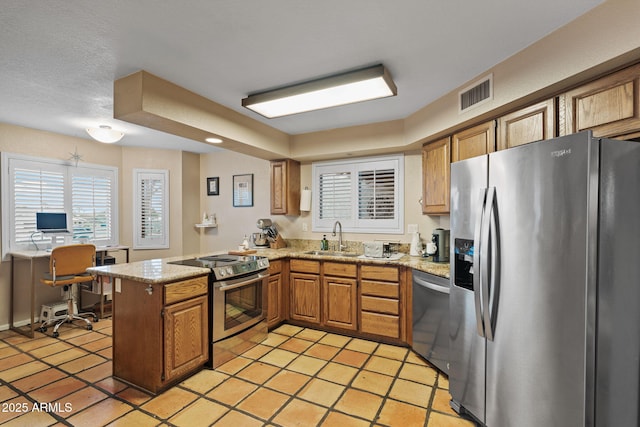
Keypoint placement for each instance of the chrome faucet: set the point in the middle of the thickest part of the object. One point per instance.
(341, 247)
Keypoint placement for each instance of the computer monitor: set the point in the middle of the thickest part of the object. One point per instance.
(51, 222)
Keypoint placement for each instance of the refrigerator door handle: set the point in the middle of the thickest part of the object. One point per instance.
(489, 267)
(477, 260)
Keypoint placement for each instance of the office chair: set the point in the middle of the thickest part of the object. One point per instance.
(67, 267)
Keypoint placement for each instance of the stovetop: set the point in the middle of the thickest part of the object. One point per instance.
(227, 266)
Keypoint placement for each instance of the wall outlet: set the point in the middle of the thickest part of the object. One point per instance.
(305, 227)
(412, 228)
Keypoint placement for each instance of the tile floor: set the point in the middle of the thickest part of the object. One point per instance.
(297, 377)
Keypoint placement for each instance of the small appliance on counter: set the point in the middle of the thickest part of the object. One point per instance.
(439, 249)
(261, 239)
(380, 249)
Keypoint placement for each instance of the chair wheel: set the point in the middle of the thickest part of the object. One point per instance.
(42, 329)
(95, 319)
(89, 327)
(56, 334)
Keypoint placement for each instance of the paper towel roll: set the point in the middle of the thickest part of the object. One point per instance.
(305, 200)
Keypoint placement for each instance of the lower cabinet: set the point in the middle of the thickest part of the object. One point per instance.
(275, 298)
(160, 331)
(380, 301)
(304, 288)
(340, 295)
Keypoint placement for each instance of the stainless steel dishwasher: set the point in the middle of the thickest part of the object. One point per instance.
(431, 318)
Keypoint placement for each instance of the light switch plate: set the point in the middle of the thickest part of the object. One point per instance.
(412, 228)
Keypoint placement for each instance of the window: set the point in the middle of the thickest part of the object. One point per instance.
(151, 217)
(365, 195)
(87, 193)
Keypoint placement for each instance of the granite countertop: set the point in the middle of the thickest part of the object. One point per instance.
(160, 271)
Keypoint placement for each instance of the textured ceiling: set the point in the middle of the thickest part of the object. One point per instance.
(60, 57)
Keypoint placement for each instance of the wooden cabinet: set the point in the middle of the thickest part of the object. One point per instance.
(304, 288)
(475, 141)
(533, 123)
(275, 298)
(381, 310)
(160, 331)
(609, 106)
(285, 187)
(340, 289)
(436, 161)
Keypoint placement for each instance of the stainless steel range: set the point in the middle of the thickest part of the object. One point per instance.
(237, 303)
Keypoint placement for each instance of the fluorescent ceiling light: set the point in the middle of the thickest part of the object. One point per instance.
(354, 86)
(105, 134)
(213, 140)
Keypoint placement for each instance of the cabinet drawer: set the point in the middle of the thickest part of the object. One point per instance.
(275, 267)
(340, 269)
(380, 289)
(304, 266)
(380, 305)
(381, 324)
(379, 272)
(185, 289)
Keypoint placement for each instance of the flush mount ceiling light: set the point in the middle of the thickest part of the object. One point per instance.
(105, 134)
(213, 140)
(346, 88)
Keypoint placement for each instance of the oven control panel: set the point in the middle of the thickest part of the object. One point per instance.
(241, 267)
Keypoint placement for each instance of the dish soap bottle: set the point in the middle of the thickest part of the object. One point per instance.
(324, 243)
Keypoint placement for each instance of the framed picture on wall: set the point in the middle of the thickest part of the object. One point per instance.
(243, 190)
(213, 186)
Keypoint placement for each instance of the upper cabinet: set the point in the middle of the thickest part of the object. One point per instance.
(475, 141)
(609, 106)
(436, 160)
(285, 187)
(533, 123)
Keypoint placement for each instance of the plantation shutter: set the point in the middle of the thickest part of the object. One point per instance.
(376, 194)
(152, 209)
(335, 195)
(92, 196)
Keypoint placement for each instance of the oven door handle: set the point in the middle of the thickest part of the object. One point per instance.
(238, 283)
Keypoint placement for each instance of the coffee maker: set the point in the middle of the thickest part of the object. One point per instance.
(440, 238)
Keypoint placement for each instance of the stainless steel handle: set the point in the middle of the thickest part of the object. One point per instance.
(238, 283)
(432, 286)
(489, 246)
(477, 260)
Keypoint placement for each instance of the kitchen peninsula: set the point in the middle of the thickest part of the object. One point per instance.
(161, 310)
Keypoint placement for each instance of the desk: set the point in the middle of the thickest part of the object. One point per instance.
(32, 256)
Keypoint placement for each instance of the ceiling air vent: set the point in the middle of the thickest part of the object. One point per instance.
(476, 94)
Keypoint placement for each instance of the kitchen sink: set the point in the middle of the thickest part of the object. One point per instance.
(331, 253)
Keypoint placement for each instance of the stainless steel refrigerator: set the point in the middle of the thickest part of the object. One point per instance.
(545, 288)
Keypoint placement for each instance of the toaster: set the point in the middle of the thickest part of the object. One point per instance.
(379, 249)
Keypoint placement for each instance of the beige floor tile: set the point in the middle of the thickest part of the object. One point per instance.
(335, 340)
(64, 356)
(296, 345)
(234, 365)
(15, 360)
(412, 357)
(401, 414)
(441, 402)
(99, 344)
(204, 381)
(421, 374)
(7, 351)
(97, 373)
(289, 330)
(307, 365)
(6, 393)
(322, 351)
(52, 349)
(134, 418)
(351, 358)
(441, 420)
(391, 352)
(383, 365)
(232, 391)
(257, 352)
(258, 372)
(337, 373)
(169, 402)
(373, 382)
(23, 371)
(336, 419)
(14, 408)
(359, 403)
(100, 414)
(82, 364)
(33, 418)
(274, 340)
(57, 390)
(38, 379)
(79, 400)
(443, 381)
(288, 382)
(321, 392)
(111, 385)
(134, 396)
(311, 335)
(36, 343)
(82, 340)
(237, 419)
(202, 412)
(363, 346)
(410, 392)
(263, 403)
(278, 357)
(300, 413)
